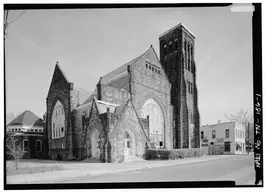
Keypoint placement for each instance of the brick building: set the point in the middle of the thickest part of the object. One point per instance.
(28, 133)
(230, 136)
(145, 102)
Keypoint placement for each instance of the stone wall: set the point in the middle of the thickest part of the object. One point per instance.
(79, 130)
(94, 122)
(60, 90)
(114, 95)
(128, 121)
(146, 84)
(184, 103)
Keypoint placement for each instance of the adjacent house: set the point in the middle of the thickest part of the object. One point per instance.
(28, 131)
(228, 136)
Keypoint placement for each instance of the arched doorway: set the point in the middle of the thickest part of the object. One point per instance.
(129, 143)
(156, 122)
(95, 144)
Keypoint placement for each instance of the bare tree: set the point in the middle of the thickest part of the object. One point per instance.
(242, 117)
(14, 149)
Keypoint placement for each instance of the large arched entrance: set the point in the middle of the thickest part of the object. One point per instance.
(156, 121)
(129, 143)
(95, 144)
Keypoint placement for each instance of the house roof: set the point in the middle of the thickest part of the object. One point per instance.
(119, 78)
(82, 95)
(89, 99)
(218, 124)
(27, 118)
(102, 106)
(121, 83)
(117, 72)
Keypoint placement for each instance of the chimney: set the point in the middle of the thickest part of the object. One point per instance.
(219, 121)
(71, 86)
(99, 89)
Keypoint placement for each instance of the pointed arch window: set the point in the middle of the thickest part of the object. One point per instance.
(156, 121)
(58, 121)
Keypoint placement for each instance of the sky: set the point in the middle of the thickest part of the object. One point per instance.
(90, 43)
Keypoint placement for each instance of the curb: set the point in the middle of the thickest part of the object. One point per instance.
(144, 166)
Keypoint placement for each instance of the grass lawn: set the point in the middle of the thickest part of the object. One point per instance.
(29, 167)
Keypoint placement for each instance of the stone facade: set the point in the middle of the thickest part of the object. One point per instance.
(113, 123)
(146, 84)
(60, 91)
(177, 58)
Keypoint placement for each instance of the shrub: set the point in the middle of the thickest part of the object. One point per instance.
(216, 149)
(173, 154)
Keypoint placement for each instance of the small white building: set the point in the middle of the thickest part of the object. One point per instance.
(229, 134)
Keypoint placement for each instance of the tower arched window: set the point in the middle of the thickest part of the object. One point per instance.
(176, 45)
(188, 57)
(192, 53)
(165, 50)
(185, 51)
(58, 121)
(170, 47)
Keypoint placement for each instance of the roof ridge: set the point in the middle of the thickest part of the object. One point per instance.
(25, 118)
(121, 69)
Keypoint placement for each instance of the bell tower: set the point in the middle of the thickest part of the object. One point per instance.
(178, 60)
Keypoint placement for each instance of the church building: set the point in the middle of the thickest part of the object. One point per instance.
(146, 103)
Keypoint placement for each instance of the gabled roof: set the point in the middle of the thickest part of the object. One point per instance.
(82, 95)
(119, 71)
(57, 70)
(89, 99)
(27, 118)
(121, 83)
(119, 78)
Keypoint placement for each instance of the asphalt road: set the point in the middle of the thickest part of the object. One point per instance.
(239, 169)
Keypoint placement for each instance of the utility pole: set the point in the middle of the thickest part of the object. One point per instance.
(5, 32)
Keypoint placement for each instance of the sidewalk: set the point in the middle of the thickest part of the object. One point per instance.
(74, 170)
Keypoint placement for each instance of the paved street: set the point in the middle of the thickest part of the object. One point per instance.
(239, 169)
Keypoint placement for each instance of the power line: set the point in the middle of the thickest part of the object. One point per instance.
(17, 18)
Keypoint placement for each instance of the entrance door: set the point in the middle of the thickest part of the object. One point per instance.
(127, 144)
(95, 144)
